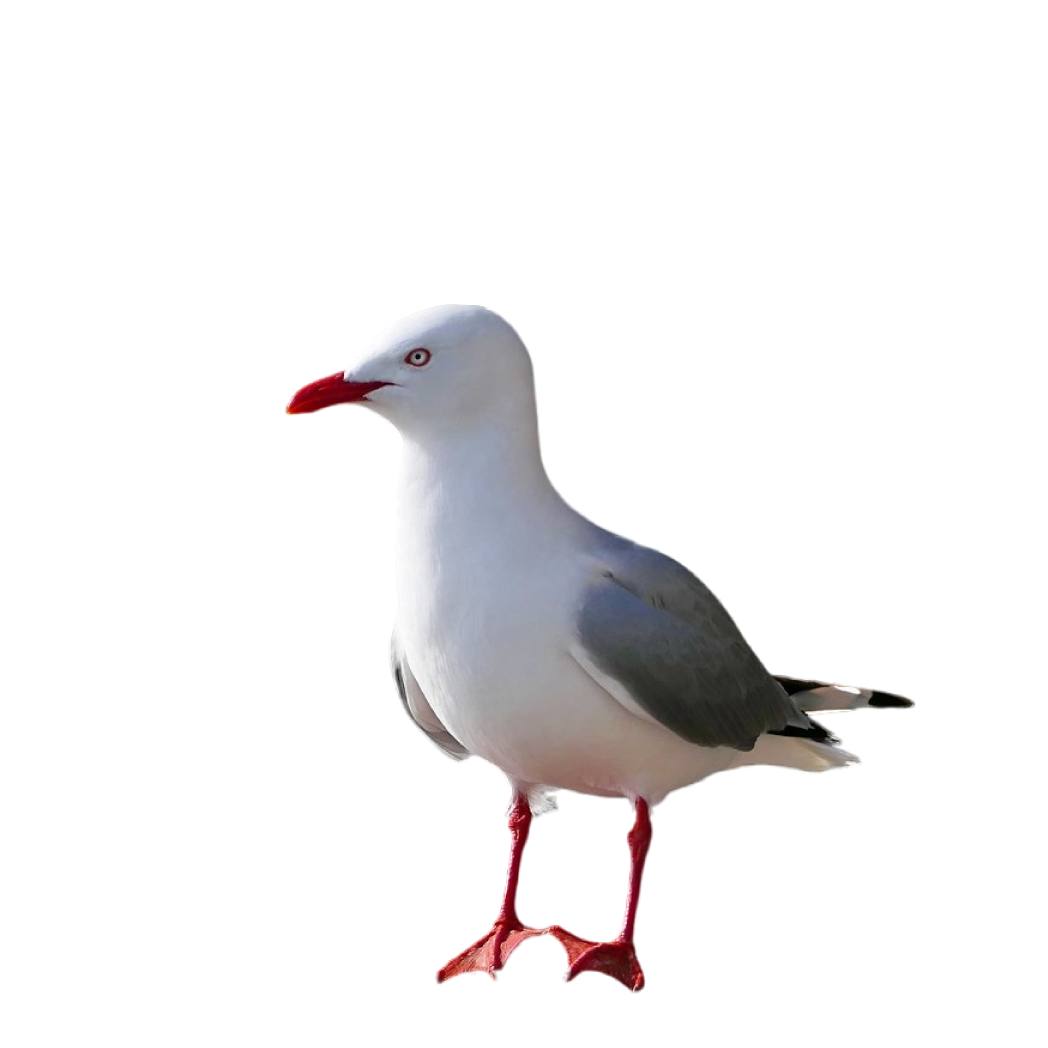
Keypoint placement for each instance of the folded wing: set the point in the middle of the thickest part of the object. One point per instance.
(418, 708)
(662, 644)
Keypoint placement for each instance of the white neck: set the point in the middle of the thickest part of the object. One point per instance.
(467, 498)
(482, 478)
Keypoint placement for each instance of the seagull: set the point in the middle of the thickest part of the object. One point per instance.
(569, 657)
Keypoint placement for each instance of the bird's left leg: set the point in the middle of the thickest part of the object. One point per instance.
(617, 958)
(490, 953)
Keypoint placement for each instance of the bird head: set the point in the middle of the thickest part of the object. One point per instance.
(446, 367)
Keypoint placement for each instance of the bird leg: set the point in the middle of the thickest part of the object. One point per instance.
(618, 957)
(491, 952)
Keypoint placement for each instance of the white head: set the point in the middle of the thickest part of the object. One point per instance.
(445, 369)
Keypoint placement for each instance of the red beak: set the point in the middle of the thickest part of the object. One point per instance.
(331, 390)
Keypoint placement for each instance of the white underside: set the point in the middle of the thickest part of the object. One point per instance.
(561, 729)
(769, 751)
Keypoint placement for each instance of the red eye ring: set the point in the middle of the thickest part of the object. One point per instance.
(419, 357)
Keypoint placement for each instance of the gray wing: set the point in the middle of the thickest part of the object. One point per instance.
(418, 708)
(660, 638)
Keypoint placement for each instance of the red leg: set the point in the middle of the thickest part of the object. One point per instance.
(491, 952)
(618, 957)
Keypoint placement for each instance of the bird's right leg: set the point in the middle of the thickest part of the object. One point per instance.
(490, 953)
(617, 958)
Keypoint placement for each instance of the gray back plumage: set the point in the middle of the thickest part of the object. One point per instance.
(650, 624)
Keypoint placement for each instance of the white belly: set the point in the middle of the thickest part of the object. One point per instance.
(498, 671)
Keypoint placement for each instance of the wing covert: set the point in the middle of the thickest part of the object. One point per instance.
(665, 639)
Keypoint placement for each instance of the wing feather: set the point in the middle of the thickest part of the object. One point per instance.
(662, 636)
(418, 707)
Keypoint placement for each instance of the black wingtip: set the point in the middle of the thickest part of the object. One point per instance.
(814, 732)
(886, 698)
(793, 685)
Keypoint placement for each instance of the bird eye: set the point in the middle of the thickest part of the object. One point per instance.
(418, 358)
